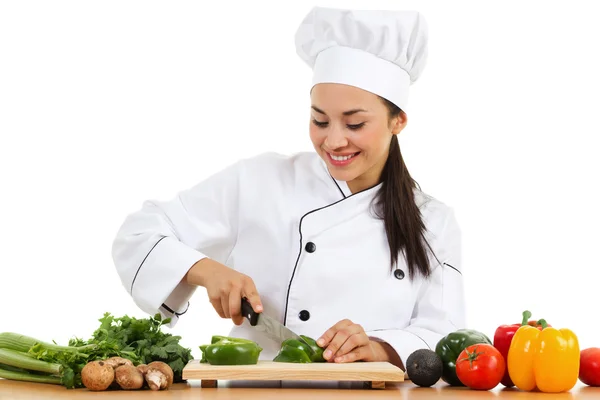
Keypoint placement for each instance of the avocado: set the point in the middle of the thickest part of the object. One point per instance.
(424, 367)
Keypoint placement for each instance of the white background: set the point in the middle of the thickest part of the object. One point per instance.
(106, 104)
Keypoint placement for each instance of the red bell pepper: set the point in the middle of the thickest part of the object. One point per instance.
(503, 338)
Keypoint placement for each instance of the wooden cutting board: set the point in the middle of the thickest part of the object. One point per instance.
(375, 373)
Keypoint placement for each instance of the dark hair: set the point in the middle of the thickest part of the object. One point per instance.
(402, 218)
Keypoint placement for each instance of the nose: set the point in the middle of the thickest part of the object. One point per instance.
(336, 138)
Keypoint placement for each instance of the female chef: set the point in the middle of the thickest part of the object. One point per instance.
(338, 244)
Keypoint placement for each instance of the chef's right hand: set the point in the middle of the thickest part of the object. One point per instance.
(225, 288)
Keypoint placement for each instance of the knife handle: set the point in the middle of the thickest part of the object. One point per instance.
(248, 312)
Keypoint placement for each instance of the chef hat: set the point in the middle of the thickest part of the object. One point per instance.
(383, 52)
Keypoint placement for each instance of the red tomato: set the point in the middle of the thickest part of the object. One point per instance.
(480, 366)
(589, 370)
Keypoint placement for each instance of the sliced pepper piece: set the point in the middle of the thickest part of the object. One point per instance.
(218, 338)
(293, 350)
(547, 360)
(317, 356)
(225, 350)
(292, 353)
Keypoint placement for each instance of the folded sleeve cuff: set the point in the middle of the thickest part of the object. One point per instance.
(158, 285)
(404, 342)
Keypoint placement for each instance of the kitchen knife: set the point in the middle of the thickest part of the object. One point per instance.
(270, 326)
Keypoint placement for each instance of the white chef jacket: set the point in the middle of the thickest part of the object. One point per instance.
(316, 253)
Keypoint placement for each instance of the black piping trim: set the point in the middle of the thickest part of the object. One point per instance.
(287, 296)
(338, 186)
(184, 311)
(138, 270)
(453, 268)
(169, 309)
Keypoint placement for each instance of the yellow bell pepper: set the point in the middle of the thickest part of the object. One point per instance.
(547, 360)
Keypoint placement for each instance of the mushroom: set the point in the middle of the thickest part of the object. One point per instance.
(159, 375)
(156, 379)
(118, 361)
(143, 368)
(97, 375)
(129, 377)
(165, 369)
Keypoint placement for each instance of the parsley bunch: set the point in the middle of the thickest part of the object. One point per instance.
(72, 360)
(140, 340)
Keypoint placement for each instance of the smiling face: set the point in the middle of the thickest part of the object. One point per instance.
(351, 130)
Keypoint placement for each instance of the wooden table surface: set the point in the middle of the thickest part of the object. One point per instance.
(14, 390)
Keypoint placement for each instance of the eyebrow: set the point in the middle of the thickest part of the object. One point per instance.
(349, 112)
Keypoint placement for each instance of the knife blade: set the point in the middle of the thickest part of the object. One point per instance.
(271, 326)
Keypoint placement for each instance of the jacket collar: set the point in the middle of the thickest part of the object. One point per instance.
(342, 186)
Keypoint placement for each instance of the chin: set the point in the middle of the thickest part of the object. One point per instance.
(345, 176)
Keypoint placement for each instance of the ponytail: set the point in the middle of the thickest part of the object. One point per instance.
(396, 206)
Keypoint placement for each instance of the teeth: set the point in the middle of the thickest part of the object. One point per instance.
(336, 158)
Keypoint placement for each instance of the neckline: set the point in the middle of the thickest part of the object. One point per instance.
(343, 185)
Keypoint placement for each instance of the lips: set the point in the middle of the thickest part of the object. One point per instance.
(341, 159)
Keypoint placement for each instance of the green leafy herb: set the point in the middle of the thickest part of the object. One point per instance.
(74, 361)
(29, 359)
(141, 340)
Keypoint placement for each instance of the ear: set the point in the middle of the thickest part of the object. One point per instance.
(399, 123)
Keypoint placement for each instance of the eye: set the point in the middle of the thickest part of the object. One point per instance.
(319, 124)
(356, 127)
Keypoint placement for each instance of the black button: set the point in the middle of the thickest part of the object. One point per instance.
(304, 315)
(399, 274)
(310, 247)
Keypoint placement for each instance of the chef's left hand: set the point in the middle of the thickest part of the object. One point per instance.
(348, 342)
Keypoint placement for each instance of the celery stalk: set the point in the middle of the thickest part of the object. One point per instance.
(22, 343)
(27, 377)
(24, 361)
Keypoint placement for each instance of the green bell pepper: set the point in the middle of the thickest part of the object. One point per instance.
(292, 353)
(295, 351)
(450, 347)
(225, 350)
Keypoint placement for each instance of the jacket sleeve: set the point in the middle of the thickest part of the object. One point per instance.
(440, 305)
(156, 246)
